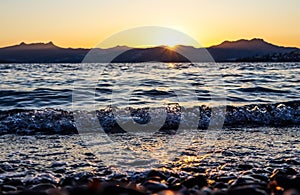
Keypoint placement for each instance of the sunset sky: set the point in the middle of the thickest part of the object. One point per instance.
(85, 23)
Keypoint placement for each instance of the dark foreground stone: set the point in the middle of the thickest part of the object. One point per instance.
(285, 181)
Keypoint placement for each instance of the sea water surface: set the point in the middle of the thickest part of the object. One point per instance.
(43, 97)
(38, 86)
(261, 118)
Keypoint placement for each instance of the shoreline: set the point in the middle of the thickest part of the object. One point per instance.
(257, 161)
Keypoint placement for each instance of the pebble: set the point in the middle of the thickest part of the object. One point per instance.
(83, 177)
(58, 164)
(225, 178)
(260, 177)
(155, 173)
(204, 177)
(8, 188)
(67, 181)
(42, 187)
(172, 180)
(40, 178)
(205, 191)
(244, 180)
(6, 167)
(59, 170)
(12, 181)
(155, 186)
(283, 181)
(220, 185)
(167, 192)
(89, 154)
(247, 190)
(291, 192)
(197, 180)
(244, 166)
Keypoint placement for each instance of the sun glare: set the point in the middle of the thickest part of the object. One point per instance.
(171, 39)
(171, 42)
(171, 65)
(149, 36)
(172, 47)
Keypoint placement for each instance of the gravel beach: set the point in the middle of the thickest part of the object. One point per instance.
(241, 161)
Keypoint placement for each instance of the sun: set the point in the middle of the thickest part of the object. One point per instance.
(170, 38)
(150, 36)
(170, 41)
(166, 41)
(171, 47)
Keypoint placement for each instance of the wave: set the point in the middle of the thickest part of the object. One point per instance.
(55, 121)
(262, 89)
(35, 98)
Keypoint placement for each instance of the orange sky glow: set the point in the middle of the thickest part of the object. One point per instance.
(84, 24)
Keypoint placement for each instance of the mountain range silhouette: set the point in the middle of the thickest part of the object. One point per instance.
(228, 51)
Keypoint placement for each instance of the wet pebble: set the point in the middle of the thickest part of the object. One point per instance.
(6, 167)
(67, 181)
(155, 173)
(172, 180)
(292, 192)
(12, 181)
(58, 164)
(59, 170)
(225, 179)
(40, 178)
(220, 185)
(196, 180)
(247, 190)
(245, 180)
(8, 188)
(260, 177)
(89, 154)
(42, 187)
(154, 186)
(82, 177)
(244, 166)
(1, 170)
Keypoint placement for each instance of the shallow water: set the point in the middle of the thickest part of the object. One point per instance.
(262, 148)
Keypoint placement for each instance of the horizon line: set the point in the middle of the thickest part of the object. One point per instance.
(142, 46)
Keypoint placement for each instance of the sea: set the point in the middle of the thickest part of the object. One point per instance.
(138, 116)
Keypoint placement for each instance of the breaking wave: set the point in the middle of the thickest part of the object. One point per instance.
(55, 121)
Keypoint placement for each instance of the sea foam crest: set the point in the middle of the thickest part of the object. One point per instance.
(52, 121)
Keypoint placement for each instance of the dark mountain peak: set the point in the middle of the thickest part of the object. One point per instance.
(260, 42)
(184, 47)
(244, 44)
(258, 39)
(243, 48)
(50, 43)
(117, 47)
(152, 54)
(33, 46)
(254, 46)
